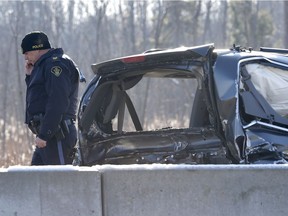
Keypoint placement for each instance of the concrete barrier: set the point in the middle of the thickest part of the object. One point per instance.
(49, 191)
(195, 190)
(145, 190)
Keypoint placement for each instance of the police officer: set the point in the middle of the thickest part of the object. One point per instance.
(52, 80)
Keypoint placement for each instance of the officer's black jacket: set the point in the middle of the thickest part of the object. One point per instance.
(52, 90)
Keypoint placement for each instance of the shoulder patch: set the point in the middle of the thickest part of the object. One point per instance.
(56, 70)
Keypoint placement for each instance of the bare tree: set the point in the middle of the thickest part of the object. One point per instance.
(160, 13)
(223, 24)
(286, 23)
(207, 29)
(143, 23)
(132, 26)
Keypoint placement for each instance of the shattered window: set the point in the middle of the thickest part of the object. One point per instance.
(272, 84)
(161, 103)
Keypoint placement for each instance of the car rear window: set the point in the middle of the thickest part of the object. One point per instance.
(161, 103)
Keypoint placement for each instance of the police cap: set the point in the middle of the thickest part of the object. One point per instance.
(35, 40)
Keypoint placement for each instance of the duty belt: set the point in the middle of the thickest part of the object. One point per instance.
(63, 128)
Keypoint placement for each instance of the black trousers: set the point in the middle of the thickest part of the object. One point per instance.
(56, 152)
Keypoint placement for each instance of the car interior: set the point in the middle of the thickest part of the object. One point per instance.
(264, 94)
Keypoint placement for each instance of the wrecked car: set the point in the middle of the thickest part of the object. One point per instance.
(188, 105)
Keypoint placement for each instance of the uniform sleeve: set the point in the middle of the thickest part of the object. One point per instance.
(58, 85)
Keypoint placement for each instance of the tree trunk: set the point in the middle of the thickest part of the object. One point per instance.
(286, 24)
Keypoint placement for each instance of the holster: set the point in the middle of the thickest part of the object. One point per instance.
(35, 124)
(63, 128)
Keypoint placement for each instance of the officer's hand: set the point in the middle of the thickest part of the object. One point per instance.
(40, 143)
(28, 68)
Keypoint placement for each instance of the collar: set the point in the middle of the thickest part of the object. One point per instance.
(51, 52)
